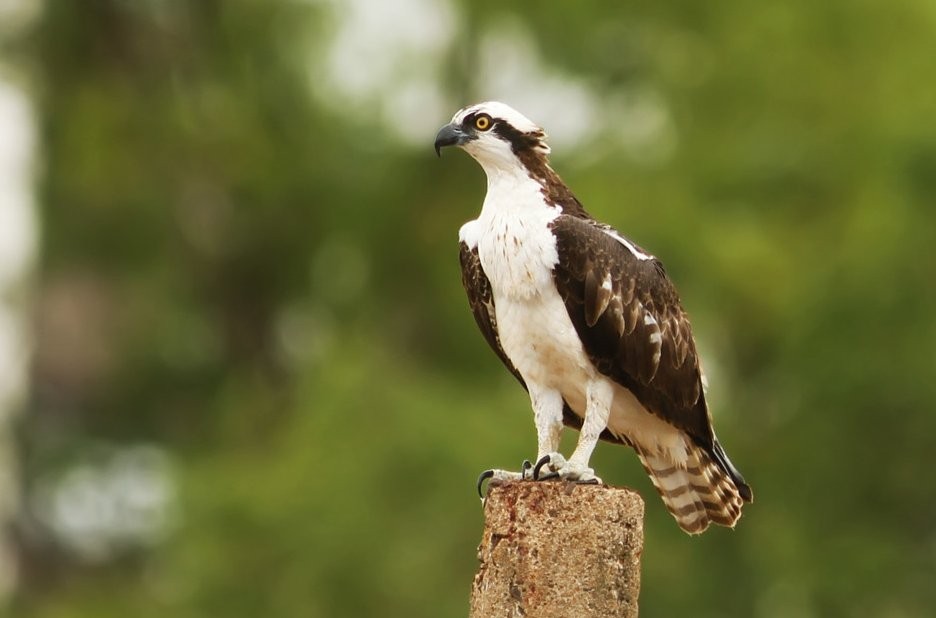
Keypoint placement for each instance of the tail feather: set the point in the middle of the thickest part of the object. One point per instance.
(722, 458)
(700, 491)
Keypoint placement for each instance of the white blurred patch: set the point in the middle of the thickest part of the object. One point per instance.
(388, 56)
(18, 248)
(386, 62)
(512, 71)
(120, 499)
(17, 15)
(640, 121)
(18, 225)
(573, 114)
(304, 333)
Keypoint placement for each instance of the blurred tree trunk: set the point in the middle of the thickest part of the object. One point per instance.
(18, 240)
(559, 549)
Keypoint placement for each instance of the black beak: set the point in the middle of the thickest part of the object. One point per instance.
(450, 135)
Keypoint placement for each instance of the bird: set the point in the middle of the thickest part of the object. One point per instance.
(589, 323)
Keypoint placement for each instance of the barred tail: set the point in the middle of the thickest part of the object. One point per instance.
(708, 489)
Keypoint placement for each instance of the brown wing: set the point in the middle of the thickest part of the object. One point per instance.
(629, 318)
(481, 300)
(627, 313)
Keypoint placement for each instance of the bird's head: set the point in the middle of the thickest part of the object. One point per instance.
(499, 137)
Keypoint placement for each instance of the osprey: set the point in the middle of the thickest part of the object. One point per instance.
(590, 325)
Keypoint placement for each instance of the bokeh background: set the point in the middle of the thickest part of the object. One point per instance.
(238, 376)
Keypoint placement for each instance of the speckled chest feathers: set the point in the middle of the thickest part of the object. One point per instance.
(515, 244)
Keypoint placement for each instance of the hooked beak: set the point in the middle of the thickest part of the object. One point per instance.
(450, 135)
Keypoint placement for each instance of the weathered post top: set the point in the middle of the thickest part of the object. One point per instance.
(558, 549)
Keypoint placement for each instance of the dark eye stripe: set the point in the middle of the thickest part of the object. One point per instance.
(519, 141)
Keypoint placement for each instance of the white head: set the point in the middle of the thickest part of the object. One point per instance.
(499, 137)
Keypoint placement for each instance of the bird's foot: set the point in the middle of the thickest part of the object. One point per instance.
(555, 466)
(526, 472)
(549, 466)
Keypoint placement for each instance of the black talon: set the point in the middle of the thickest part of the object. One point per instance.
(526, 465)
(484, 476)
(539, 465)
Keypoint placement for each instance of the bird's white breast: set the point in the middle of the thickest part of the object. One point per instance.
(518, 252)
(539, 338)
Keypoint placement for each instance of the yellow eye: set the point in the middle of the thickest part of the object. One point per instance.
(482, 122)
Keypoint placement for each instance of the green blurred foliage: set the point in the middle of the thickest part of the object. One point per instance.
(268, 289)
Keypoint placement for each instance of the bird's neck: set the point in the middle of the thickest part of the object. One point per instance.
(512, 191)
(529, 185)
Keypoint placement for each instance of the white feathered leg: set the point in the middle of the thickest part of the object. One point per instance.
(599, 396)
(547, 416)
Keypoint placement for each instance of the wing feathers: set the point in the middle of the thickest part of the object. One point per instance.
(629, 318)
(628, 315)
(597, 296)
